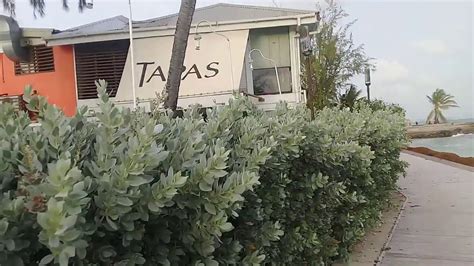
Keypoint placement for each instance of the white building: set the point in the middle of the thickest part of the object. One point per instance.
(223, 56)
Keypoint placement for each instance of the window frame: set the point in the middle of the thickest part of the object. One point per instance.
(273, 71)
(263, 39)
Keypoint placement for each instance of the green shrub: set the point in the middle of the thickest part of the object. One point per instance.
(324, 193)
(243, 187)
(376, 105)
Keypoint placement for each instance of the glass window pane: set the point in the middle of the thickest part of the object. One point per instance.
(274, 44)
(265, 82)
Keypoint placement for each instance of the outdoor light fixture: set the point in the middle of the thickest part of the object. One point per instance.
(274, 65)
(89, 5)
(198, 38)
(367, 82)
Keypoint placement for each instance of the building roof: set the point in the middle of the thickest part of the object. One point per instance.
(116, 23)
(213, 13)
(224, 12)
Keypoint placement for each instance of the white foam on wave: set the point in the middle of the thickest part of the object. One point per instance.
(460, 135)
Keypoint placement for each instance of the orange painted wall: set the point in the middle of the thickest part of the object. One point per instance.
(58, 87)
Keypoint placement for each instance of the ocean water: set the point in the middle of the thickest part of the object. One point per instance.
(462, 144)
(455, 121)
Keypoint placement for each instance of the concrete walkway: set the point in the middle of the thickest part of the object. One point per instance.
(437, 225)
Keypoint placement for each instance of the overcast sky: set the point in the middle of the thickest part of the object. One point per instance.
(418, 46)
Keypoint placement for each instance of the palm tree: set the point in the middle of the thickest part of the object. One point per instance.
(440, 101)
(183, 26)
(349, 97)
(39, 6)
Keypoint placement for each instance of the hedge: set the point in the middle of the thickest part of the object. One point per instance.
(241, 186)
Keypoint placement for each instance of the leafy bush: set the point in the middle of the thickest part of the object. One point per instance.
(324, 192)
(376, 105)
(244, 186)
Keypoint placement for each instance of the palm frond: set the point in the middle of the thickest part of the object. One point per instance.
(430, 116)
(65, 5)
(38, 7)
(447, 106)
(9, 7)
(430, 99)
(442, 119)
(453, 102)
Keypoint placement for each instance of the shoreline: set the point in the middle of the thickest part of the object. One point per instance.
(452, 157)
(439, 130)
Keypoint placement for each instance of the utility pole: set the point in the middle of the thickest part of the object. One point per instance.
(132, 57)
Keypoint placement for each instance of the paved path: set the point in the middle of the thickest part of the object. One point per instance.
(437, 225)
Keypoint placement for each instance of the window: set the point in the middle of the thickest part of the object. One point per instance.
(41, 60)
(102, 60)
(274, 43)
(265, 82)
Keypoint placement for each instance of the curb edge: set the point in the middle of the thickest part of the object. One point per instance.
(392, 231)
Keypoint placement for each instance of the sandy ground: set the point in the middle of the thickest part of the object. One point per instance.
(440, 130)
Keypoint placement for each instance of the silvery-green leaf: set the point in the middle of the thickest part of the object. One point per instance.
(204, 186)
(153, 207)
(71, 235)
(46, 259)
(210, 208)
(136, 181)
(69, 221)
(111, 223)
(3, 226)
(158, 128)
(226, 227)
(53, 242)
(124, 201)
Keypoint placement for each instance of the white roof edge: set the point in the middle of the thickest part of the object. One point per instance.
(36, 32)
(222, 27)
(270, 8)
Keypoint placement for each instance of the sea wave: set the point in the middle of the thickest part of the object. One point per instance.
(461, 135)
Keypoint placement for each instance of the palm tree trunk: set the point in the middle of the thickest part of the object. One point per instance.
(178, 54)
(436, 118)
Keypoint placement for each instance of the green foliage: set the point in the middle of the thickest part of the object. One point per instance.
(336, 60)
(243, 187)
(320, 194)
(440, 101)
(379, 105)
(349, 97)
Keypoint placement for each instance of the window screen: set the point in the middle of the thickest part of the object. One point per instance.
(102, 60)
(41, 60)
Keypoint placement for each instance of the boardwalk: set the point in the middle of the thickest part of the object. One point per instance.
(437, 226)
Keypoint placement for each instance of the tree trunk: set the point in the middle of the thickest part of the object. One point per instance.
(178, 54)
(436, 117)
(311, 86)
